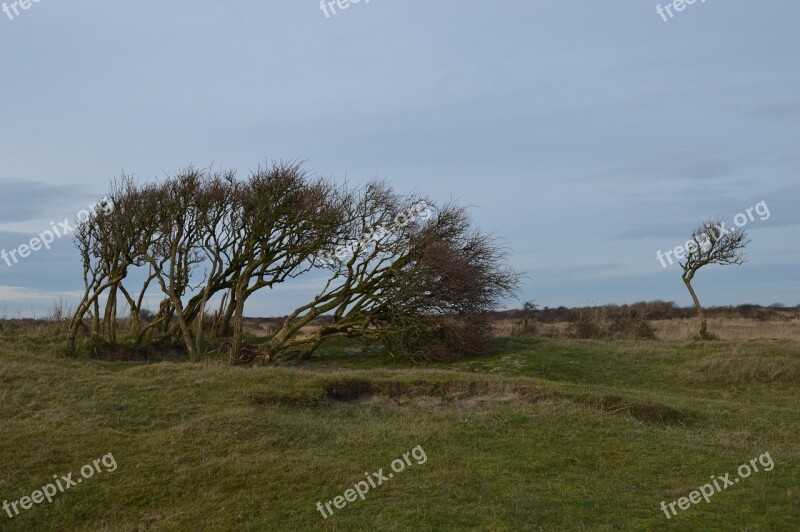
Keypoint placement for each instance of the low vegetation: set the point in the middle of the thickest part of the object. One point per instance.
(512, 439)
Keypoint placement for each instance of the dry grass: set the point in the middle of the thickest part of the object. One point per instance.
(742, 368)
(681, 330)
(728, 329)
(505, 328)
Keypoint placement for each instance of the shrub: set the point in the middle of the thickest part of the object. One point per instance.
(441, 339)
(610, 321)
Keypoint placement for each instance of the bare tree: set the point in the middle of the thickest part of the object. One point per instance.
(418, 278)
(107, 248)
(175, 254)
(287, 217)
(711, 243)
(359, 256)
(438, 306)
(421, 279)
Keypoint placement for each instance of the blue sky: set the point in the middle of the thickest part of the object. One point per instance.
(588, 135)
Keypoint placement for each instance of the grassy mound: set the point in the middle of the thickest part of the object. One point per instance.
(551, 434)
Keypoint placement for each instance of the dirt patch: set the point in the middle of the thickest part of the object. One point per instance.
(429, 395)
(477, 394)
(650, 413)
(466, 393)
(349, 391)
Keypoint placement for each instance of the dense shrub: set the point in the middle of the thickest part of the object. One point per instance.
(610, 321)
(441, 339)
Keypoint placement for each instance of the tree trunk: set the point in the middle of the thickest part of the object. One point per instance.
(225, 323)
(218, 317)
(189, 340)
(96, 318)
(700, 314)
(110, 316)
(238, 328)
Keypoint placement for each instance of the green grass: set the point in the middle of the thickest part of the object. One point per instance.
(546, 434)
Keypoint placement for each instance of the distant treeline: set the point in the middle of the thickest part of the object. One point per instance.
(649, 310)
(661, 310)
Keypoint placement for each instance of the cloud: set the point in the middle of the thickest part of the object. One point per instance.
(18, 301)
(680, 165)
(58, 268)
(19, 293)
(679, 215)
(22, 201)
(779, 109)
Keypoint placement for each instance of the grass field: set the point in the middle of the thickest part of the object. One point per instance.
(547, 434)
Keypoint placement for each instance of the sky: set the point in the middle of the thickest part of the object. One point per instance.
(587, 136)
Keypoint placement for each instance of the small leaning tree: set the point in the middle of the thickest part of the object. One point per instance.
(711, 243)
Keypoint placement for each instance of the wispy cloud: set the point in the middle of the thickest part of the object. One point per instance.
(22, 201)
(780, 109)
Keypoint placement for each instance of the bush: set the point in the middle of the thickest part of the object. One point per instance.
(587, 323)
(442, 339)
(525, 325)
(522, 328)
(610, 322)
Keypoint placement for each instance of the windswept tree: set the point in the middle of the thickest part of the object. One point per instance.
(711, 243)
(287, 218)
(418, 277)
(108, 249)
(439, 304)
